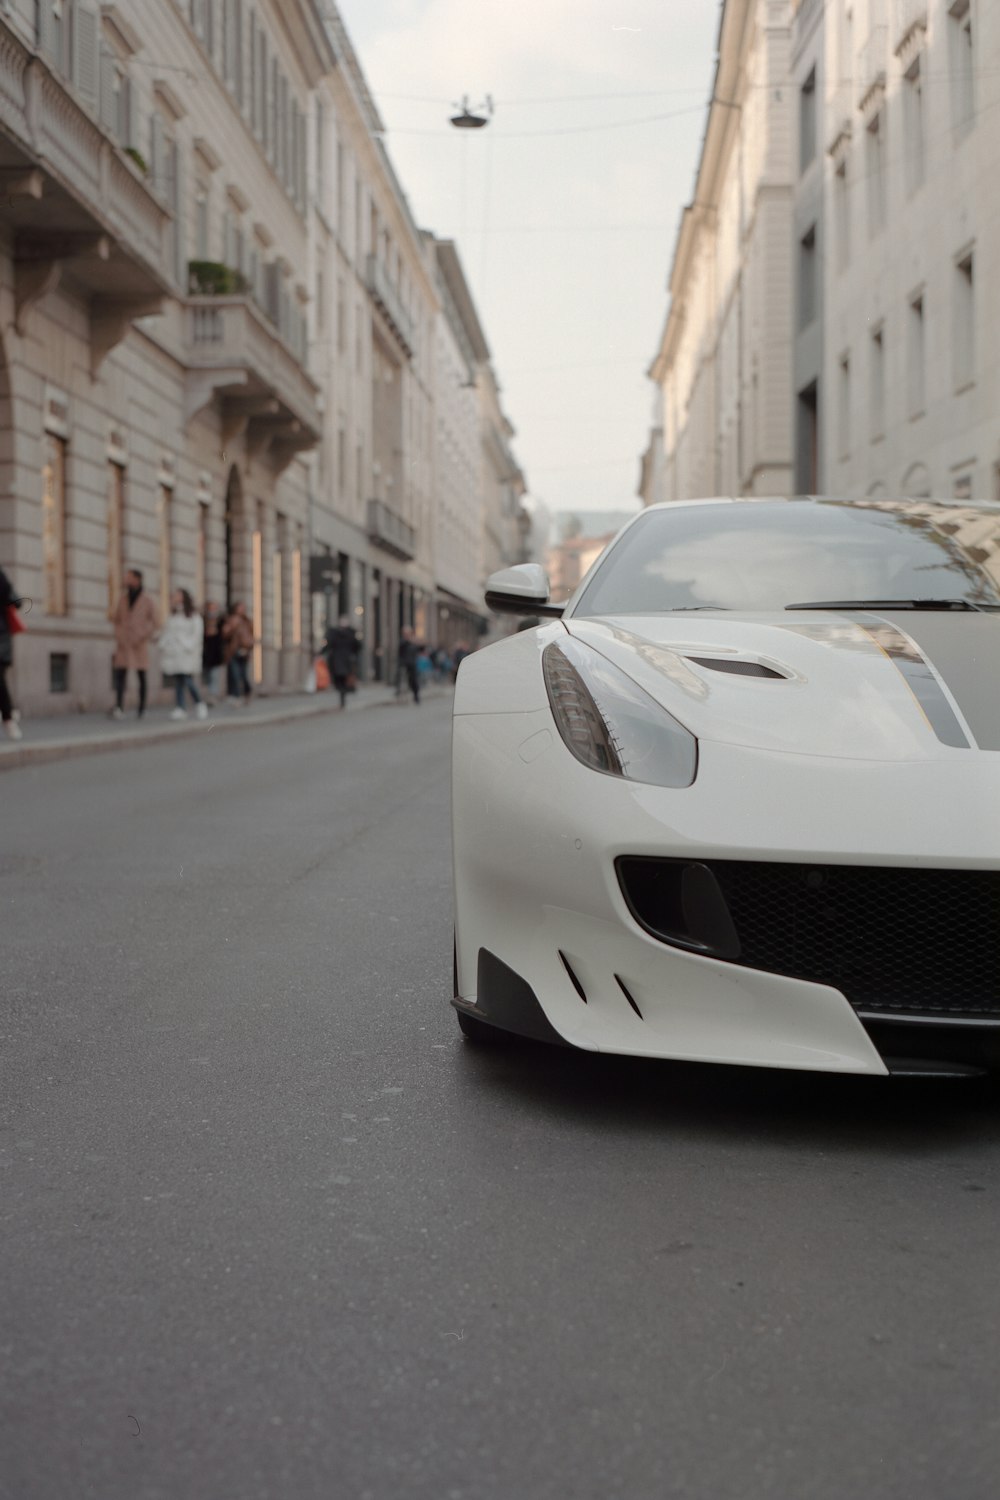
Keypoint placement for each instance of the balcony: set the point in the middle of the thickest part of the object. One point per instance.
(909, 16)
(237, 362)
(77, 206)
(384, 296)
(389, 531)
(872, 65)
(909, 29)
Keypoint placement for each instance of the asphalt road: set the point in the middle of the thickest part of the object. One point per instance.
(271, 1229)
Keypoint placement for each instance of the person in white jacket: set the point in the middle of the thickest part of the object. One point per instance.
(181, 642)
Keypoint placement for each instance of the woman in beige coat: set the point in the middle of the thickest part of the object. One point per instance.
(136, 622)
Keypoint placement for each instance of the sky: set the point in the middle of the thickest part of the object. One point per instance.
(565, 207)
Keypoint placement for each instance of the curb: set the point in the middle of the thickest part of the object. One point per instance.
(71, 749)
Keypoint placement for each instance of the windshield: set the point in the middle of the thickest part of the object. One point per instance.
(766, 555)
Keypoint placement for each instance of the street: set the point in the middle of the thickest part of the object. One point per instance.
(270, 1228)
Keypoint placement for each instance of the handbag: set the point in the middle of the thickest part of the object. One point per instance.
(15, 624)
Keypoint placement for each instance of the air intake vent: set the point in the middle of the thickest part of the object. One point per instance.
(738, 668)
(574, 980)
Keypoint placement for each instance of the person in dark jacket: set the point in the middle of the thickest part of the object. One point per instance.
(213, 653)
(409, 654)
(11, 727)
(342, 648)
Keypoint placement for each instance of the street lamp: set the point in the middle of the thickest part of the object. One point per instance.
(472, 119)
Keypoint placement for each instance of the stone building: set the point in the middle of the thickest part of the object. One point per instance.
(461, 352)
(909, 286)
(375, 310)
(724, 364)
(155, 393)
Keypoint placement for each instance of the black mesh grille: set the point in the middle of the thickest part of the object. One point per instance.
(738, 668)
(894, 941)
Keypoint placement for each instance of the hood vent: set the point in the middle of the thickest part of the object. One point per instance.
(739, 668)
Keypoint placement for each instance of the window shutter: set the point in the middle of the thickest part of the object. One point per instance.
(180, 235)
(301, 185)
(156, 163)
(131, 113)
(272, 288)
(229, 41)
(46, 29)
(239, 77)
(109, 97)
(85, 53)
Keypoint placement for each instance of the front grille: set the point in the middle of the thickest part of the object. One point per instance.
(894, 941)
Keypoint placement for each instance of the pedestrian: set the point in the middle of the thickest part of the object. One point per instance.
(212, 661)
(342, 648)
(461, 652)
(8, 603)
(181, 642)
(136, 622)
(238, 639)
(409, 652)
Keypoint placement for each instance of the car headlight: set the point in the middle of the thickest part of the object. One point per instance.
(610, 724)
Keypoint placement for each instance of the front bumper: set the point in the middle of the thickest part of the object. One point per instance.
(536, 839)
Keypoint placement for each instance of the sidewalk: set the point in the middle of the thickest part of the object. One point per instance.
(65, 735)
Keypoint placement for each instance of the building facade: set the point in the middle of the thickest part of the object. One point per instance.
(724, 364)
(461, 352)
(375, 313)
(910, 395)
(156, 399)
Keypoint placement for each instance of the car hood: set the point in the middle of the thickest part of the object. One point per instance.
(914, 685)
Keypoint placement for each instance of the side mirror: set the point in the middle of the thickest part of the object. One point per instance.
(521, 590)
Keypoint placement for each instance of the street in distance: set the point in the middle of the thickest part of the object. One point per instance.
(739, 800)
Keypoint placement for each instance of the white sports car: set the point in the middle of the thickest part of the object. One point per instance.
(739, 800)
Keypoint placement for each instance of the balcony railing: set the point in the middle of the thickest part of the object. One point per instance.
(388, 530)
(71, 193)
(235, 358)
(384, 296)
(872, 63)
(909, 16)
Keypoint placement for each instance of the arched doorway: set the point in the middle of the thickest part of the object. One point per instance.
(237, 572)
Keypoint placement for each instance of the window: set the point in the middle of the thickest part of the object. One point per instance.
(115, 534)
(341, 317)
(277, 595)
(54, 523)
(341, 459)
(844, 406)
(201, 223)
(915, 357)
(875, 171)
(163, 547)
(807, 278)
(58, 672)
(807, 122)
(842, 216)
(963, 98)
(961, 488)
(877, 385)
(913, 128)
(964, 341)
(807, 443)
